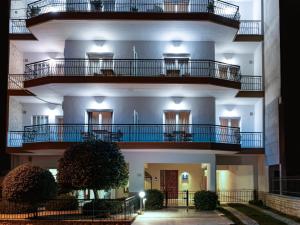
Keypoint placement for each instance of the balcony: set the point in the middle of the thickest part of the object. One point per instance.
(252, 86)
(19, 31)
(215, 7)
(250, 30)
(140, 135)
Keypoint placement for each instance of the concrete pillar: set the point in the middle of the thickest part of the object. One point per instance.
(136, 176)
(211, 175)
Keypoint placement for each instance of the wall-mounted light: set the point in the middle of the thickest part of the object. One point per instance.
(176, 43)
(99, 43)
(52, 106)
(185, 177)
(228, 56)
(99, 99)
(177, 100)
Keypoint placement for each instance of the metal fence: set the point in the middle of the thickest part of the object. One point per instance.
(252, 83)
(81, 209)
(169, 67)
(16, 81)
(18, 26)
(286, 186)
(216, 7)
(252, 140)
(250, 27)
(236, 196)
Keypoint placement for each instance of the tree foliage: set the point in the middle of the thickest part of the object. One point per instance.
(95, 165)
(28, 184)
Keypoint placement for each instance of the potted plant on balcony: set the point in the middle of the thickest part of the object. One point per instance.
(134, 9)
(34, 11)
(96, 5)
(210, 7)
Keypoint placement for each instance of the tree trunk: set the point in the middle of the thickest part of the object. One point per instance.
(96, 195)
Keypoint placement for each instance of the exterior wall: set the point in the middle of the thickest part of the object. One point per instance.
(15, 115)
(257, 164)
(31, 109)
(285, 204)
(138, 158)
(150, 109)
(272, 79)
(16, 60)
(196, 180)
(258, 61)
(245, 61)
(248, 113)
(235, 177)
(258, 115)
(144, 49)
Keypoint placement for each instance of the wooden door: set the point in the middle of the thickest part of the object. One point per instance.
(169, 183)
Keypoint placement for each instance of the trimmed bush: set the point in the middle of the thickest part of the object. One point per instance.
(62, 203)
(155, 200)
(29, 184)
(102, 207)
(16, 208)
(206, 200)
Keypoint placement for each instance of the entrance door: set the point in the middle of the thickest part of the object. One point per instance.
(169, 183)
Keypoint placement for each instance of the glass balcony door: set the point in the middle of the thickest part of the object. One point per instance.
(176, 5)
(175, 67)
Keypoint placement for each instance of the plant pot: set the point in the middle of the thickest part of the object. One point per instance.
(96, 5)
(35, 11)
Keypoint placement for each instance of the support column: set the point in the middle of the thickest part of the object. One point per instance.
(212, 175)
(136, 176)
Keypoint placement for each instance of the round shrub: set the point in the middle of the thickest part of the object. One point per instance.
(16, 208)
(102, 207)
(62, 203)
(29, 184)
(155, 199)
(206, 200)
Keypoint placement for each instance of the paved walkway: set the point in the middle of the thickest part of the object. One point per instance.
(242, 217)
(181, 217)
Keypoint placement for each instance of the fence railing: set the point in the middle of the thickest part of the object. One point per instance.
(252, 139)
(286, 186)
(216, 7)
(252, 83)
(81, 209)
(236, 196)
(133, 67)
(250, 27)
(18, 26)
(125, 133)
(16, 81)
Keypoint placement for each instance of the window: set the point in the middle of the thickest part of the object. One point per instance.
(100, 64)
(175, 67)
(177, 121)
(40, 120)
(100, 120)
(176, 5)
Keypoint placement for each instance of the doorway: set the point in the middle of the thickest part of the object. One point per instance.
(169, 182)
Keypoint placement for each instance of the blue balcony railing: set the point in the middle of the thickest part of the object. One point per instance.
(18, 26)
(197, 133)
(252, 140)
(250, 27)
(216, 7)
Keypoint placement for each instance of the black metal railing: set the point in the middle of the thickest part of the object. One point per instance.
(16, 81)
(236, 196)
(81, 209)
(133, 67)
(250, 27)
(125, 133)
(179, 199)
(18, 26)
(289, 186)
(252, 83)
(252, 139)
(216, 7)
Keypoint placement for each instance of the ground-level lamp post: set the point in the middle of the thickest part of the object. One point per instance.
(142, 195)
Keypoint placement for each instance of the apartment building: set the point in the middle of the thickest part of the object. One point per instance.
(179, 85)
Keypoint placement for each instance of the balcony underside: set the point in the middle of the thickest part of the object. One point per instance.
(50, 148)
(55, 92)
(19, 36)
(250, 94)
(184, 16)
(168, 29)
(41, 146)
(130, 79)
(248, 38)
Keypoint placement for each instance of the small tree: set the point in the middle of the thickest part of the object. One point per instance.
(94, 165)
(29, 184)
